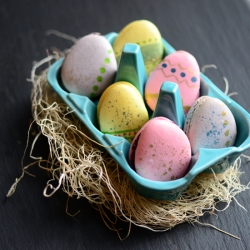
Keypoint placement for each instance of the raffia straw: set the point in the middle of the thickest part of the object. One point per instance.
(209, 66)
(83, 170)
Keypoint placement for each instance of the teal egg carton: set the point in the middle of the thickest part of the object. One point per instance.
(131, 69)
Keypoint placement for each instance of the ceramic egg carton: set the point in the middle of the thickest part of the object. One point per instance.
(131, 69)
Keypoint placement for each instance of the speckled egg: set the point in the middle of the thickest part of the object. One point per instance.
(210, 124)
(160, 151)
(121, 110)
(181, 68)
(90, 66)
(147, 36)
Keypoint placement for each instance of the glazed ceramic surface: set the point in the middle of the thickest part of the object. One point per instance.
(131, 69)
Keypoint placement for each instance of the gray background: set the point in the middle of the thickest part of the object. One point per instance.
(214, 31)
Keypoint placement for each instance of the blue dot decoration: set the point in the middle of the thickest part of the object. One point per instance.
(164, 65)
(183, 74)
(194, 79)
(173, 70)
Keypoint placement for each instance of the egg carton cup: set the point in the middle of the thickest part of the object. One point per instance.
(131, 69)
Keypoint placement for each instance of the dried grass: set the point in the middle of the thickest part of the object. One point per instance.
(83, 170)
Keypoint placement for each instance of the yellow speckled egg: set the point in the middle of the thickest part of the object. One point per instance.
(121, 110)
(145, 34)
(90, 66)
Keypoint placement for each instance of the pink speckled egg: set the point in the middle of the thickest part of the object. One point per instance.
(181, 68)
(90, 66)
(210, 124)
(160, 151)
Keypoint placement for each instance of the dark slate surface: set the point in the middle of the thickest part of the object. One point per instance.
(214, 31)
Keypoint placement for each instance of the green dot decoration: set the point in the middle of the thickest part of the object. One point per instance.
(95, 88)
(92, 95)
(102, 70)
(107, 60)
(99, 78)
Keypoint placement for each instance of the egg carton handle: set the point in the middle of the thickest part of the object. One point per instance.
(131, 67)
(169, 104)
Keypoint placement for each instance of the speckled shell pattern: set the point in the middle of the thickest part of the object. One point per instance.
(160, 151)
(89, 67)
(210, 124)
(121, 110)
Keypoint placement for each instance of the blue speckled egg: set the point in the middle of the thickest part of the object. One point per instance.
(210, 124)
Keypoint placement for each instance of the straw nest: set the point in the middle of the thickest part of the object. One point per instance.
(83, 170)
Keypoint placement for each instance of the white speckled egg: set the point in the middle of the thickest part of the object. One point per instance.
(210, 124)
(90, 66)
(160, 151)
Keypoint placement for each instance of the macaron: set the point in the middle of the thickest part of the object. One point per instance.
(181, 68)
(210, 124)
(160, 151)
(89, 67)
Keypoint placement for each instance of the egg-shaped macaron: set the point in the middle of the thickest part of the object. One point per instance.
(181, 68)
(210, 124)
(121, 110)
(160, 151)
(147, 36)
(89, 67)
